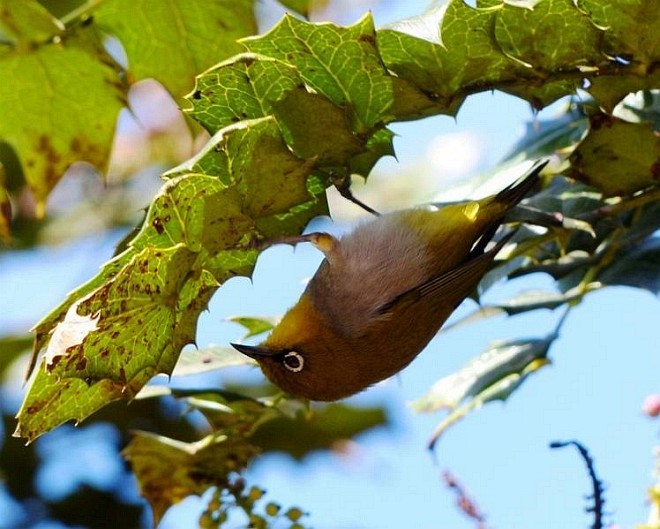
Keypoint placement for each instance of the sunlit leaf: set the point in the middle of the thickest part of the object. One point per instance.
(445, 49)
(301, 6)
(342, 64)
(379, 145)
(307, 103)
(5, 213)
(243, 87)
(70, 118)
(146, 301)
(194, 362)
(629, 26)
(202, 33)
(531, 37)
(27, 22)
(253, 325)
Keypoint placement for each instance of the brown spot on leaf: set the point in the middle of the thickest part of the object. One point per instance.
(75, 145)
(50, 366)
(600, 120)
(197, 94)
(52, 158)
(158, 225)
(367, 38)
(655, 170)
(5, 210)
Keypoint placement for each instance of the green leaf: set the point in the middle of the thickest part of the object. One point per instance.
(641, 107)
(241, 88)
(630, 28)
(539, 217)
(445, 50)
(270, 179)
(142, 308)
(315, 127)
(136, 325)
(194, 362)
(609, 91)
(269, 422)
(494, 375)
(531, 36)
(524, 302)
(71, 117)
(11, 347)
(496, 363)
(254, 326)
(303, 7)
(639, 267)
(231, 414)
(379, 145)
(5, 211)
(342, 64)
(617, 157)
(326, 426)
(202, 33)
(168, 471)
(27, 22)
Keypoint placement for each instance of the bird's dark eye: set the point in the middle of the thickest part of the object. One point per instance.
(293, 361)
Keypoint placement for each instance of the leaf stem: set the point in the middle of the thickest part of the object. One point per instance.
(647, 197)
(80, 11)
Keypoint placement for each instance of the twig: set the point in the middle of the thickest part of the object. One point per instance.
(596, 484)
(466, 504)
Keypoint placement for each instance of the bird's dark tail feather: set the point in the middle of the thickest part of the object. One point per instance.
(519, 189)
(509, 196)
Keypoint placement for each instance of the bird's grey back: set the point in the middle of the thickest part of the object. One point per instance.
(373, 264)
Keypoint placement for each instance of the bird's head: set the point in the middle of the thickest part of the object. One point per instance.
(305, 357)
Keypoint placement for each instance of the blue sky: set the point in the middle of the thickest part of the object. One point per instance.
(605, 362)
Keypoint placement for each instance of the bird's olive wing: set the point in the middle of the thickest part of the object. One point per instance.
(449, 287)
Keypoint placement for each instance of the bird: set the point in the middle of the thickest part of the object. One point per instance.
(382, 293)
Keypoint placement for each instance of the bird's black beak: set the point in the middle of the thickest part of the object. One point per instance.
(254, 352)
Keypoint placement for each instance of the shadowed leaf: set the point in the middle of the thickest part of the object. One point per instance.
(168, 471)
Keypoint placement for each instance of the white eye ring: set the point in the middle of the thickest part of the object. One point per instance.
(294, 361)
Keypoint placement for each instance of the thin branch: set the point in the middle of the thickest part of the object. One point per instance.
(596, 484)
(466, 504)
